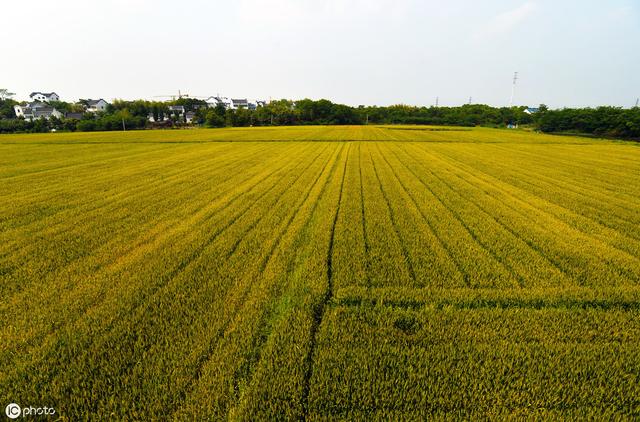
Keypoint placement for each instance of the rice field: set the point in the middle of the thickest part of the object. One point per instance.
(320, 273)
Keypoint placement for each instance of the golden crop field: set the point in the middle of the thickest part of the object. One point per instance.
(320, 273)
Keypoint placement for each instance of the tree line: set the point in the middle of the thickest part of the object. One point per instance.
(602, 121)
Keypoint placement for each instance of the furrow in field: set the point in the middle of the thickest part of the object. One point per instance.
(587, 259)
(525, 264)
(586, 224)
(71, 190)
(313, 206)
(482, 232)
(479, 267)
(105, 289)
(367, 243)
(599, 213)
(601, 171)
(319, 311)
(100, 349)
(100, 224)
(207, 294)
(104, 177)
(544, 269)
(276, 386)
(394, 223)
(106, 258)
(433, 264)
(239, 351)
(445, 270)
(610, 153)
(583, 184)
(99, 220)
(350, 262)
(388, 265)
(120, 154)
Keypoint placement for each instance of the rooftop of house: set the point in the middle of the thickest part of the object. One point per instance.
(217, 100)
(33, 105)
(46, 94)
(94, 102)
(44, 111)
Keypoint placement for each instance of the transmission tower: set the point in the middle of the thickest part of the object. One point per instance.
(513, 88)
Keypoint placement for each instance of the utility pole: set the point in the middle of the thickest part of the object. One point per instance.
(124, 128)
(367, 119)
(513, 88)
(470, 99)
(637, 102)
(437, 101)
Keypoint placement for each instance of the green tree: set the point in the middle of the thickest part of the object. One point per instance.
(5, 94)
(214, 119)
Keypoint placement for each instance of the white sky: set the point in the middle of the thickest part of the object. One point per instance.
(374, 52)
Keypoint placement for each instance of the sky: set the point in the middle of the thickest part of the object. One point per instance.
(568, 53)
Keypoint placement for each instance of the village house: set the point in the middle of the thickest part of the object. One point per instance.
(47, 112)
(177, 110)
(36, 110)
(234, 104)
(239, 103)
(44, 96)
(95, 106)
(213, 102)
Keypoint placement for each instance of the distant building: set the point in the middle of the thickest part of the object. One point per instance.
(176, 110)
(47, 112)
(158, 116)
(44, 96)
(235, 103)
(190, 116)
(531, 110)
(76, 116)
(36, 110)
(95, 106)
(239, 103)
(213, 102)
(21, 110)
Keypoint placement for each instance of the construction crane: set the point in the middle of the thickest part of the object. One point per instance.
(181, 95)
